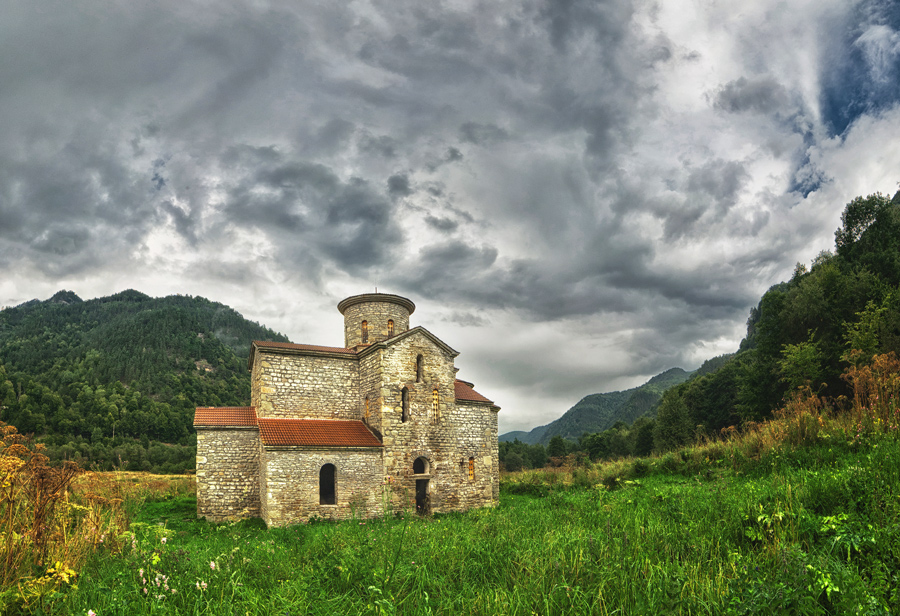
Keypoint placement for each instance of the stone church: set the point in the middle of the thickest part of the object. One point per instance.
(381, 423)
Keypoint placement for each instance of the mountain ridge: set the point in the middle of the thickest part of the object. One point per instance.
(599, 412)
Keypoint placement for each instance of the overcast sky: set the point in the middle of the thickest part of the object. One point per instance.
(576, 194)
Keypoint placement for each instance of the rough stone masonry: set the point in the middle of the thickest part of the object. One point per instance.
(378, 425)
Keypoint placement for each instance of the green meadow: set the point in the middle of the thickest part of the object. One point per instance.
(808, 530)
(795, 515)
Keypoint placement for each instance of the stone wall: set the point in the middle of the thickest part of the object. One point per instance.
(308, 386)
(370, 372)
(377, 315)
(446, 439)
(290, 484)
(227, 473)
(476, 423)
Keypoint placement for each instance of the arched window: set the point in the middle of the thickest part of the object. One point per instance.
(367, 407)
(326, 485)
(418, 368)
(436, 403)
(365, 332)
(404, 402)
(390, 327)
(420, 466)
(471, 469)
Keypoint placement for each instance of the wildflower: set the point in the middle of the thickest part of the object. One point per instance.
(212, 565)
(203, 585)
(173, 591)
(163, 540)
(145, 591)
(91, 613)
(141, 572)
(198, 585)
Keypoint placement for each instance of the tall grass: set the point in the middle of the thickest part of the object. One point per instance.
(796, 516)
(53, 519)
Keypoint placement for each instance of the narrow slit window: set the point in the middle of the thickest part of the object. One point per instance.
(471, 469)
(390, 327)
(367, 407)
(365, 332)
(418, 368)
(404, 403)
(326, 485)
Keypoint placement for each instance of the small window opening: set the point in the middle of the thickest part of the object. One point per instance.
(420, 466)
(326, 485)
(390, 328)
(436, 404)
(367, 407)
(418, 369)
(404, 402)
(471, 469)
(365, 332)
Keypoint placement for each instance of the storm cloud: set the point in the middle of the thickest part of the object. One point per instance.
(577, 194)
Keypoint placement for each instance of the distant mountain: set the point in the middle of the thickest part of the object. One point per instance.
(90, 377)
(598, 412)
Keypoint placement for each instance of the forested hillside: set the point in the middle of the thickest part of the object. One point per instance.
(806, 332)
(802, 337)
(599, 412)
(114, 380)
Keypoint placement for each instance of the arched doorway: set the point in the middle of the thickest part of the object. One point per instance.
(422, 473)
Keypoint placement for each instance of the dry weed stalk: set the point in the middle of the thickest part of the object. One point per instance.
(45, 535)
(876, 393)
(29, 493)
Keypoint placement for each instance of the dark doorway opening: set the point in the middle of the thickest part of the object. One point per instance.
(419, 466)
(423, 504)
(326, 485)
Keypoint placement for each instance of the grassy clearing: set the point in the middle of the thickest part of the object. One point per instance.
(793, 516)
(816, 535)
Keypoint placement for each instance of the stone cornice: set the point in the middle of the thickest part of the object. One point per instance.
(319, 448)
(493, 407)
(306, 352)
(376, 297)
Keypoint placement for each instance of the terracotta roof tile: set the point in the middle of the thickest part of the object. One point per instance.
(464, 391)
(264, 344)
(315, 432)
(225, 416)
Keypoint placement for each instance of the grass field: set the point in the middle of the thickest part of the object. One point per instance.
(812, 531)
(798, 515)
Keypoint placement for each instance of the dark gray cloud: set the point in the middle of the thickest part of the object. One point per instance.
(482, 134)
(310, 213)
(467, 319)
(398, 185)
(441, 223)
(591, 170)
(762, 94)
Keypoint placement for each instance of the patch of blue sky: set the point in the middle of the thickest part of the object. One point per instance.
(863, 67)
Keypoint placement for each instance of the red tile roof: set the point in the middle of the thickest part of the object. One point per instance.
(300, 347)
(464, 391)
(225, 416)
(315, 432)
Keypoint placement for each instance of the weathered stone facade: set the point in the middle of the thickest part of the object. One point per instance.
(228, 472)
(347, 431)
